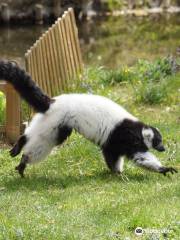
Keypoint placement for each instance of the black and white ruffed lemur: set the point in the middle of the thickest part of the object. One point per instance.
(117, 132)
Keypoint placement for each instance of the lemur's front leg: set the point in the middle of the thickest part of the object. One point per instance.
(149, 161)
(119, 165)
(114, 161)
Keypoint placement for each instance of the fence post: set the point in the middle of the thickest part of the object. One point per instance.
(13, 114)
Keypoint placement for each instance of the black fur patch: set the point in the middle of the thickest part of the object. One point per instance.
(18, 146)
(25, 86)
(126, 139)
(63, 133)
(111, 158)
(157, 139)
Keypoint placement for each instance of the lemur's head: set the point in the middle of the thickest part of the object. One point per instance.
(152, 138)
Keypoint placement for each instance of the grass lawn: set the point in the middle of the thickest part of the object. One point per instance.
(72, 195)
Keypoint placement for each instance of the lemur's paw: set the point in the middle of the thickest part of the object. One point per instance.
(165, 170)
(14, 151)
(20, 168)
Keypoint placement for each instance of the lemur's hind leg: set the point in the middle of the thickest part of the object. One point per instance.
(149, 161)
(22, 165)
(113, 161)
(18, 146)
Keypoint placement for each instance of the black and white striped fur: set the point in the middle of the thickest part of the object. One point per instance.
(117, 132)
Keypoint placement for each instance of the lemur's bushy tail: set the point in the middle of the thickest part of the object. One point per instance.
(25, 86)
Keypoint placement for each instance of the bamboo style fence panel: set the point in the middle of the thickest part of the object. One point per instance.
(55, 60)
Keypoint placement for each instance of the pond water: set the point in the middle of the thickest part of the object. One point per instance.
(111, 42)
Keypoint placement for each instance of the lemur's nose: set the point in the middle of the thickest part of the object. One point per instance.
(160, 147)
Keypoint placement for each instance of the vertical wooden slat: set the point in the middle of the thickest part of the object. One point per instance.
(37, 61)
(73, 45)
(76, 39)
(27, 62)
(48, 73)
(31, 64)
(53, 61)
(68, 41)
(38, 67)
(65, 20)
(65, 45)
(57, 64)
(42, 66)
(48, 64)
(61, 56)
(34, 49)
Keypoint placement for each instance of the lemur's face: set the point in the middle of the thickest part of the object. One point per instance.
(152, 138)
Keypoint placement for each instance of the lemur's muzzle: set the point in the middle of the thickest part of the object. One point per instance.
(160, 147)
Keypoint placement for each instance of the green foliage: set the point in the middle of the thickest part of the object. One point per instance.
(107, 77)
(156, 70)
(151, 93)
(111, 77)
(2, 107)
(151, 83)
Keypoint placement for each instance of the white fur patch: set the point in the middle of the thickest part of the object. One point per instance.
(120, 164)
(147, 160)
(148, 136)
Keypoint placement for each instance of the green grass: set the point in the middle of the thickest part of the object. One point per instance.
(72, 195)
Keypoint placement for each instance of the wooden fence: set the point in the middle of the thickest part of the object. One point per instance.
(12, 126)
(54, 62)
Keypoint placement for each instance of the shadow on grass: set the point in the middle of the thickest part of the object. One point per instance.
(38, 182)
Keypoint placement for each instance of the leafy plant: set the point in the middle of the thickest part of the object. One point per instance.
(151, 81)
(106, 76)
(151, 93)
(157, 70)
(116, 76)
